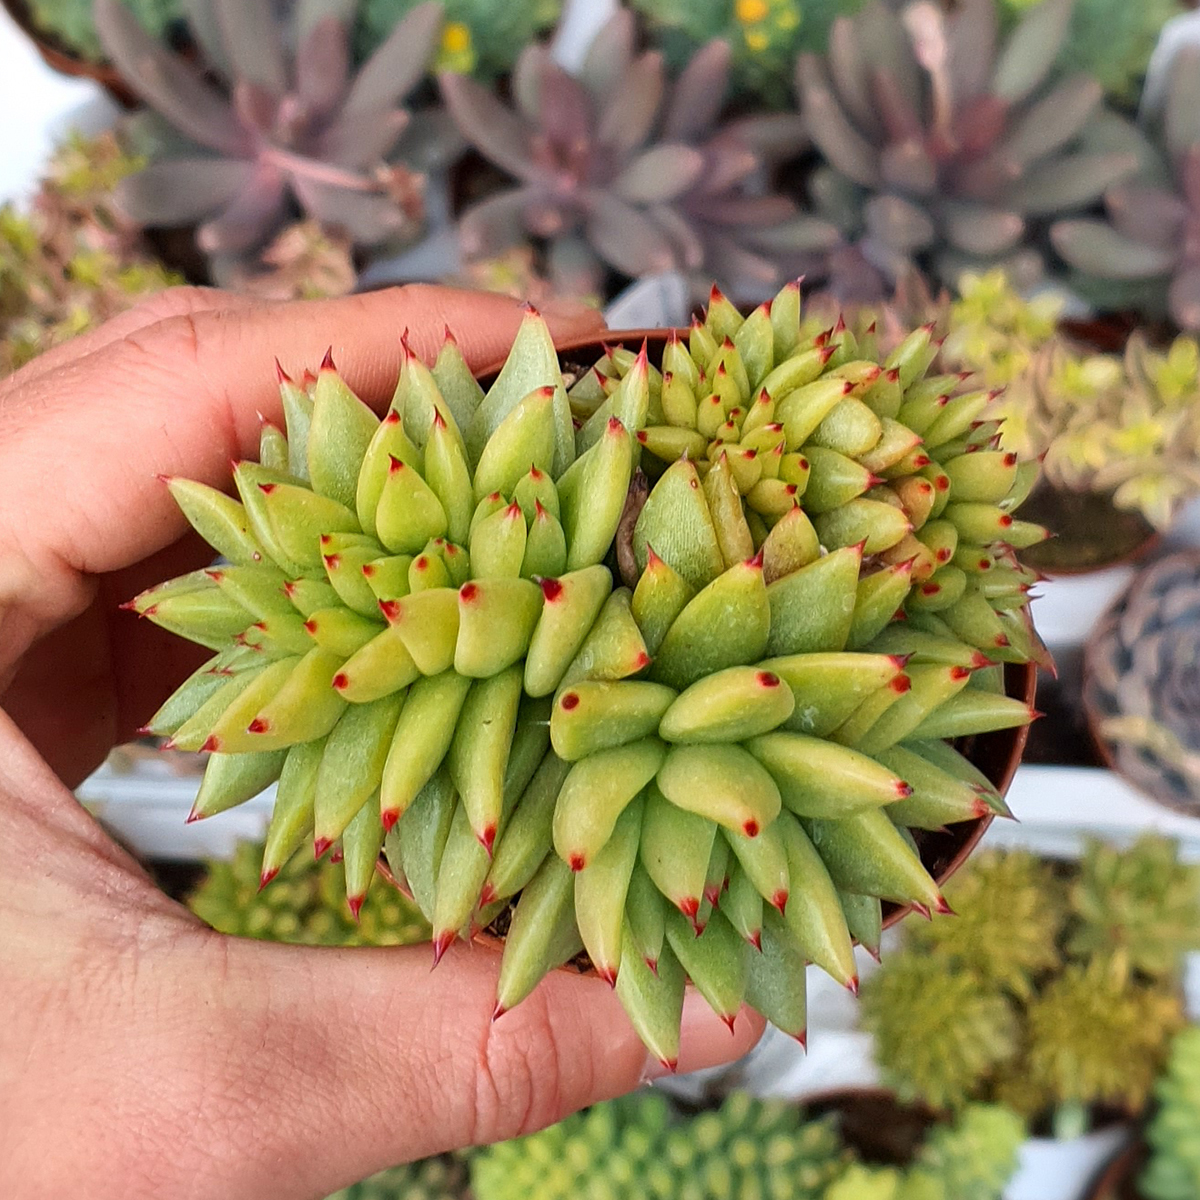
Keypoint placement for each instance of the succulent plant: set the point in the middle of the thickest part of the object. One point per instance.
(765, 36)
(617, 171)
(304, 262)
(1094, 1039)
(938, 1030)
(1111, 42)
(1149, 238)
(1010, 918)
(71, 22)
(637, 1147)
(1137, 909)
(71, 261)
(440, 1178)
(479, 37)
(417, 634)
(288, 127)
(1063, 1026)
(1140, 687)
(307, 905)
(1173, 1133)
(945, 146)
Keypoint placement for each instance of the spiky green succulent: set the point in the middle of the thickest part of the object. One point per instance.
(1137, 908)
(1173, 1172)
(939, 1030)
(1010, 914)
(972, 1158)
(479, 37)
(306, 905)
(614, 168)
(70, 260)
(1139, 688)
(72, 24)
(637, 1146)
(764, 35)
(945, 144)
(700, 775)
(272, 123)
(440, 1178)
(1147, 246)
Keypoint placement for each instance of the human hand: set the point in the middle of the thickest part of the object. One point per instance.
(142, 1054)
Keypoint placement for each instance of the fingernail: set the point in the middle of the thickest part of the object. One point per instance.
(565, 311)
(705, 1041)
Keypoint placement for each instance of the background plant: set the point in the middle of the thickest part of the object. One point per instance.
(1075, 983)
(72, 260)
(72, 22)
(1173, 1172)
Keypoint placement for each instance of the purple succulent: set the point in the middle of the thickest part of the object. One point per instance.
(278, 122)
(616, 167)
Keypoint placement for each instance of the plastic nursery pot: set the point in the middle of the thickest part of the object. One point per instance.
(1119, 1180)
(996, 754)
(1052, 1169)
(65, 61)
(1107, 659)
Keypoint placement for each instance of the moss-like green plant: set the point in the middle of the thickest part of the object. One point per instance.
(480, 37)
(70, 261)
(1174, 1134)
(1039, 998)
(71, 24)
(306, 904)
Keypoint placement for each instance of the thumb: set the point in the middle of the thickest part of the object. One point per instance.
(367, 1058)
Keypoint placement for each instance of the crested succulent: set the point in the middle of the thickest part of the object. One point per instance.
(286, 126)
(71, 261)
(616, 170)
(637, 1147)
(971, 1158)
(1173, 1172)
(440, 1178)
(1140, 686)
(307, 905)
(711, 773)
(1148, 242)
(1077, 1019)
(479, 37)
(945, 145)
(765, 36)
(1111, 42)
(72, 23)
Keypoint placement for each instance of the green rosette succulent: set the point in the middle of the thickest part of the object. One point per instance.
(1173, 1133)
(306, 906)
(1138, 909)
(637, 1147)
(710, 774)
(479, 37)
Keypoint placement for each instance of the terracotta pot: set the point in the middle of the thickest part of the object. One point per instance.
(1119, 1181)
(995, 754)
(59, 57)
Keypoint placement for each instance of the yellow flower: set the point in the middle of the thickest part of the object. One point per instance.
(457, 51)
(750, 12)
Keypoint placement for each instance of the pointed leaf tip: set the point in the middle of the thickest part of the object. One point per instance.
(194, 815)
(852, 985)
(280, 374)
(266, 877)
(355, 903)
(212, 744)
(320, 847)
(441, 943)
(327, 361)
